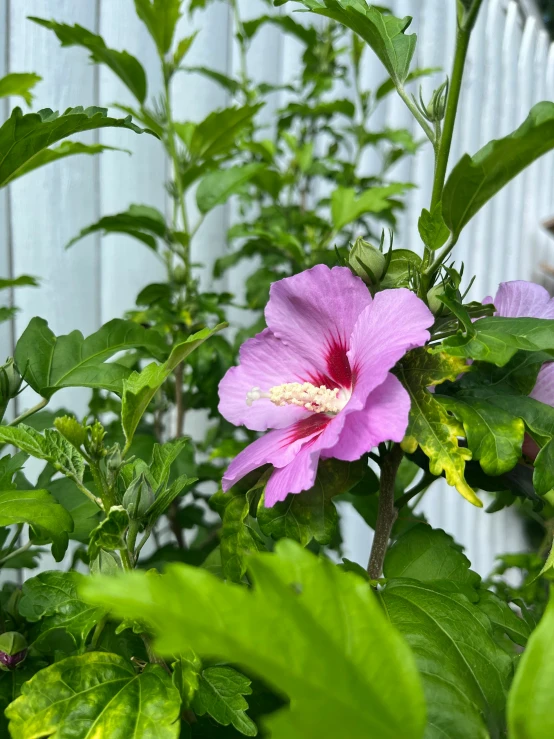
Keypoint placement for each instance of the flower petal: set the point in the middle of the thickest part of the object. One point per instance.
(264, 362)
(383, 418)
(395, 322)
(297, 476)
(314, 312)
(278, 447)
(521, 299)
(544, 387)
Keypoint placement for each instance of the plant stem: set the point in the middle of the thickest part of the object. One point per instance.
(179, 406)
(242, 46)
(417, 115)
(30, 412)
(386, 512)
(86, 491)
(125, 561)
(15, 552)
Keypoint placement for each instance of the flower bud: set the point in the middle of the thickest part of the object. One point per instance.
(10, 380)
(114, 460)
(435, 305)
(138, 497)
(13, 650)
(367, 261)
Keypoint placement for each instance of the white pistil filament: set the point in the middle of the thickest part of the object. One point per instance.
(315, 399)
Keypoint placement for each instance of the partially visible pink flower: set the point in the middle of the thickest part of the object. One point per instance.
(319, 376)
(521, 299)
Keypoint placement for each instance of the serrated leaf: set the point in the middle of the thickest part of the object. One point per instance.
(52, 602)
(140, 387)
(343, 678)
(163, 456)
(19, 83)
(49, 363)
(124, 65)
(430, 427)
(465, 673)
(218, 133)
(52, 447)
(385, 34)
(167, 496)
(497, 340)
(475, 180)
(346, 207)
(494, 436)
(217, 187)
(43, 514)
(109, 533)
(9, 466)
(429, 555)
(22, 137)
(433, 230)
(503, 618)
(220, 694)
(100, 694)
(306, 34)
(160, 18)
(530, 713)
(312, 514)
(141, 222)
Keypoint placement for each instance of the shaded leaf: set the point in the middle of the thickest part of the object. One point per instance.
(217, 187)
(109, 533)
(124, 65)
(65, 149)
(343, 678)
(43, 514)
(312, 514)
(100, 693)
(141, 222)
(220, 693)
(22, 137)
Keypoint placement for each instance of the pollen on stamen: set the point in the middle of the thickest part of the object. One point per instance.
(314, 399)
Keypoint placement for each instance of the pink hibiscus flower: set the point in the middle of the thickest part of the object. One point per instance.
(521, 299)
(319, 376)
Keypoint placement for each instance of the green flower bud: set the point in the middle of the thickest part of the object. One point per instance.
(367, 261)
(138, 497)
(114, 460)
(180, 275)
(13, 650)
(435, 305)
(10, 380)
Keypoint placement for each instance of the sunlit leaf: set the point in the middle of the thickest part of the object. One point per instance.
(19, 83)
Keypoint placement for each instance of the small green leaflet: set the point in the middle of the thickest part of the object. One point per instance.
(141, 222)
(50, 446)
(220, 693)
(19, 83)
(160, 18)
(346, 207)
(217, 187)
(109, 533)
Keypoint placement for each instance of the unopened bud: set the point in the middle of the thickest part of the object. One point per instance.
(13, 650)
(367, 261)
(436, 306)
(10, 380)
(138, 497)
(114, 460)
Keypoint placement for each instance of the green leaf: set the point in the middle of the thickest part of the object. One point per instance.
(81, 509)
(430, 427)
(51, 602)
(306, 34)
(237, 538)
(345, 207)
(23, 137)
(465, 673)
(402, 267)
(384, 33)
(217, 187)
(141, 222)
(312, 514)
(49, 363)
(21, 281)
(43, 514)
(503, 618)
(218, 133)
(163, 456)
(140, 387)
(160, 18)
(494, 436)
(50, 446)
(433, 230)
(343, 678)
(530, 713)
(429, 555)
(497, 340)
(220, 694)
(97, 694)
(109, 533)
(165, 498)
(228, 83)
(475, 180)
(19, 83)
(65, 149)
(388, 86)
(9, 466)
(124, 65)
